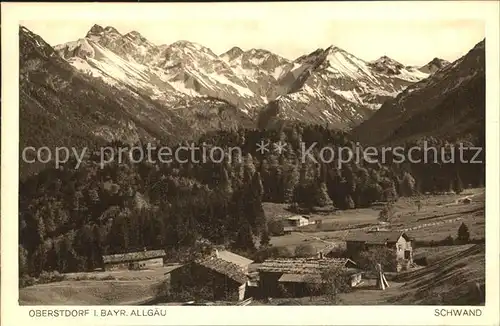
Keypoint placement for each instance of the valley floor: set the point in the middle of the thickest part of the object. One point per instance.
(454, 274)
(439, 217)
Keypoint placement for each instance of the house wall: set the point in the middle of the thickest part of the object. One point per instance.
(140, 264)
(301, 289)
(403, 246)
(300, 222)
(268, 283)
(115, 266)
(150, 263)
(409, 246)
(242, 292)
(303, 221)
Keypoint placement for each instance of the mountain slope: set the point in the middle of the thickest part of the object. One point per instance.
(165, 72)
(335, 87)
(434, 65)
(325, 86)
(60, 106)
(450, 104)
(71, 104)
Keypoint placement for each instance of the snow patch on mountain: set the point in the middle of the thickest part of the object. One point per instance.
(330, 80)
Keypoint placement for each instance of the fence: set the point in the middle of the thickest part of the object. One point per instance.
(421, 226)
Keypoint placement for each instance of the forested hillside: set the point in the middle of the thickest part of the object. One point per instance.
(70, 217)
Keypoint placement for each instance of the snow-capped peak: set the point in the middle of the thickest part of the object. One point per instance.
(387, 61)
(330, 78)
(232, 54)
(111, 29)
(334, 49)
(190, 45)
(134, 35)
(95, 30)
(386, 65)
(258, 52)
(102, 35)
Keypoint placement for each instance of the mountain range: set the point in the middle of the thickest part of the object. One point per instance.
(326, 86)
(449, 104)
(110, 86)
(63, 105)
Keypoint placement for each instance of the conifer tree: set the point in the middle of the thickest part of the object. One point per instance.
(264, 238)
(244, 238)
(458, 187)
(463, 235)
(407, 185)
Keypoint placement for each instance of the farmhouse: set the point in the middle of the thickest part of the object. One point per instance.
(134, 260)
(400, 242)
(221, 276)
(297, 220)
(297, 276)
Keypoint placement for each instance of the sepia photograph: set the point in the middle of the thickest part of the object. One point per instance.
(251, 162)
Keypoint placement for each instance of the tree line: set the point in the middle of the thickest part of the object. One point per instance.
(69, 218)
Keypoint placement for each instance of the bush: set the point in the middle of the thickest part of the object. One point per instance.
(283, 252)
(275, 227)
(448, 241)
(421, 261)
(384, 256)
(162, 289)
(84, 277)
(305, 250)
(272, 252)
(337, 252)
(26, 280)
(50, 277)
(284, 293)
(334, 281)
(386, 213)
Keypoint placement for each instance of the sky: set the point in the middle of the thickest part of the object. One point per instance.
(411, 42)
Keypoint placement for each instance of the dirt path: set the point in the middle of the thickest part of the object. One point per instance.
(458, 201)
(314, 238)
(330, 244)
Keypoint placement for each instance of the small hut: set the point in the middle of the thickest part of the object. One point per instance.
(466, 200)
(298, 275)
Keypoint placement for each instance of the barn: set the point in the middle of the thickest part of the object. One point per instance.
(220, 276)
(145, 259)
(299, 276)
(297, 220)
(399, 242)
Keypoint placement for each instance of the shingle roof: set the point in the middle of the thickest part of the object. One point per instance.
(381, 237)
(300, 278)
(303, 265)
(133, 256)
(224, 267)
(234, 258)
